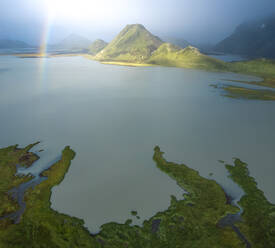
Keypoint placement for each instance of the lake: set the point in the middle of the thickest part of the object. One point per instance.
(113, 116)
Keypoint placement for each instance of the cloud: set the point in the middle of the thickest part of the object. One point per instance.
(198, 21)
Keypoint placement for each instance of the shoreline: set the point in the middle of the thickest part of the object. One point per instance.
(43, 55)
(267, 79)
(125, 64)
(263, 82)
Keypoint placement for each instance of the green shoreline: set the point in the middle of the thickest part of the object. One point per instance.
(191, 222)
(237, 92)
(190, 58)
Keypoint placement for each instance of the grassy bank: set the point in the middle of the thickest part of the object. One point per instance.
(125, 64)
(258, 223)
(263, 68)
(190, 57)
(237, 92)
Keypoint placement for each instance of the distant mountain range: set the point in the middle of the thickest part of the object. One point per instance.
(13, 44)
(136, 44)
(73, 42)
(253, 39)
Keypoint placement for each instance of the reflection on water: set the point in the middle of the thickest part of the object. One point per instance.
(113, 116)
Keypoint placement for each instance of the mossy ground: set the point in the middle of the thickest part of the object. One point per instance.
(40, 226)
(191, 222)
(10, 157)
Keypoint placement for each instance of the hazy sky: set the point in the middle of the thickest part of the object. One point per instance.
(198, 21)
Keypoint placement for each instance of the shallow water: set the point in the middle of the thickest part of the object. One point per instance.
(113, 116)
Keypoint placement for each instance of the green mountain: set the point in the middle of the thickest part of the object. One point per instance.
(133, 44)
(253, 39)
(12, 44)
(97, 46)
(190, 57)
(74, 43)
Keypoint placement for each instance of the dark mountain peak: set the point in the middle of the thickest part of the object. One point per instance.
(254, 38)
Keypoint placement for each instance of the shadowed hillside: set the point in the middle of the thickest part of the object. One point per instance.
(254, 39)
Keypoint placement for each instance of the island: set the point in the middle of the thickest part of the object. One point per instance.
(206, 217)
(136, 46)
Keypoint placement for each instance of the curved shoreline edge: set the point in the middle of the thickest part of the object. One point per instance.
(192, 221)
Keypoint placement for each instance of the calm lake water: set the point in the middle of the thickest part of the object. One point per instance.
(227, 57)
(113, 117)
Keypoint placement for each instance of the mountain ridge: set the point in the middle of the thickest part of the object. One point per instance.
(190, 57)
(11, 44)
(254, 38)
(74, 42)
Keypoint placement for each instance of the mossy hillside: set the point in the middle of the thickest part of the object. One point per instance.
(259, 215)
(133, 44)
(10, 157)
(189, 57)
(97, 46)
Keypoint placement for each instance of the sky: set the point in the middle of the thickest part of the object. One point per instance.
(197, 21)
